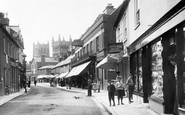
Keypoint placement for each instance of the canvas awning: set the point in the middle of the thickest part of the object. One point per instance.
(42, 76)
(77, 70)
(107, 63)
(62, 75)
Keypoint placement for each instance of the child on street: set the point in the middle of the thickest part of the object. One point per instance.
(111, 92)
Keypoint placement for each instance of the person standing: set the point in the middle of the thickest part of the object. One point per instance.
(111, 91)
(89, 92)
(130, 86)
(35, 82)
(29, 83)
(98, 85)
(120, 88)
(24, 85)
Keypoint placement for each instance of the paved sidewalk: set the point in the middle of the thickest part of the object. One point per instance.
(135, 108)
(4, 99)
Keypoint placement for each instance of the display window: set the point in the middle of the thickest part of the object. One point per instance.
(157, 71)
(138, 78)
(184, 71)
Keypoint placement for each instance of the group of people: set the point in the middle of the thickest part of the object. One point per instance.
(119, 89)
(25, 84)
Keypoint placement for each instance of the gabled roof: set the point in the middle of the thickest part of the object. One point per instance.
(121, 12)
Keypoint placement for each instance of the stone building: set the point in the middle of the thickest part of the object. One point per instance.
(41, 49)
(61, 48)
(12, 58)
(151, 32)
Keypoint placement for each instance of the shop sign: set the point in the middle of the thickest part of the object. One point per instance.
(115, 47)
(77, 43)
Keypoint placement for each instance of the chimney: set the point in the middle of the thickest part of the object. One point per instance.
(42, 60)
(109, 9)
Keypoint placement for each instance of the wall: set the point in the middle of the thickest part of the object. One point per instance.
(150, 12)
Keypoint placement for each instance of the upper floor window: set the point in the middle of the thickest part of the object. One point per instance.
(80, 53)
(97, 44)
(124, 28)
(137, 12)
(87, 48)
(83, 51)
(8, 46)
(118, 34)
(4, 45)
(91, 47)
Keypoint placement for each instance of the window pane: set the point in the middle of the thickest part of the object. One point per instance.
(140, 79)
(157, 72)
(136, 75)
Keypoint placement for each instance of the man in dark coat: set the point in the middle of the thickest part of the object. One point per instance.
(24, 84)
(111, 92)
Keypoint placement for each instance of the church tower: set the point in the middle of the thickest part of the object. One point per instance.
(41, 49)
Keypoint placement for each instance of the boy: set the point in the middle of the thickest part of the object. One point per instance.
(111, 91)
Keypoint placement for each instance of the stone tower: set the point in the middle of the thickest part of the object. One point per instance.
(41, 49)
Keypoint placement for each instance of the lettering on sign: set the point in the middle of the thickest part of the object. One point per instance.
(115, 48)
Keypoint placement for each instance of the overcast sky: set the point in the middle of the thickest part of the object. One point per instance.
(39, 20)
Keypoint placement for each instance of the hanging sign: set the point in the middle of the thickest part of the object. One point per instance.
(115, 47)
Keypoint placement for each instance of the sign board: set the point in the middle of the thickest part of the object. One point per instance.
(77, 43)
(115, 47)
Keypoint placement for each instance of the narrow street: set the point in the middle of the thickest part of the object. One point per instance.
(44, 100)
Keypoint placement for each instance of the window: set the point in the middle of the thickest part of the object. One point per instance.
(83, 51)
(124, 28)
(91, 47)
(97, 44)
(118, 39)
(11, 50)
(137, 12)
(80, 53)
(157, 71)
(87, 48)
(137, 71)
(8, 46)
(184, 71)
(4, 45)
(140, 72)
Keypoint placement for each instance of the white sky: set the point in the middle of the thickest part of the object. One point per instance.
(39, 20)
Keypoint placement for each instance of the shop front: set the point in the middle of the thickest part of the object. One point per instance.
(157, 80)
(79, 75)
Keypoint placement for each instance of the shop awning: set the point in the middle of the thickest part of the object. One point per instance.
(108, 63)
(42, 76)
(62, 75)
(77, 70)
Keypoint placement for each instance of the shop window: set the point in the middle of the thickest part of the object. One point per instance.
(157, 71)
(184, 70)
(135, 73)
(140, 76)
